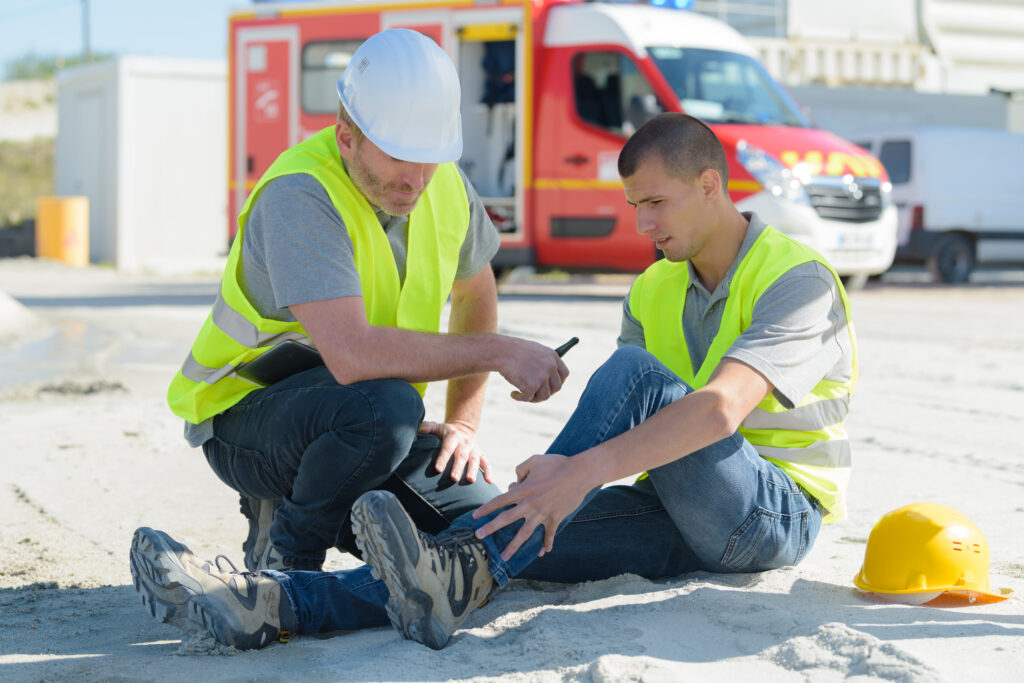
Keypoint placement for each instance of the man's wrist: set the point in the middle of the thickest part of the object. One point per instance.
(594, 467)
(464, 425)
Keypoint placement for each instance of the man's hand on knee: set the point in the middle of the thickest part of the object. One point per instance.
(460, 448)
(548, 489)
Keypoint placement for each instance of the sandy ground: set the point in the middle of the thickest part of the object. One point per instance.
(88, 452)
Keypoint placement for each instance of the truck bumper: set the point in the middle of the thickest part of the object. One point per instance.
(851, 248)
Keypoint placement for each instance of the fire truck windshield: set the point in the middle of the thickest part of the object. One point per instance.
(726, 87)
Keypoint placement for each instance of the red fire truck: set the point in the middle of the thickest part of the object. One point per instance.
(551, 89)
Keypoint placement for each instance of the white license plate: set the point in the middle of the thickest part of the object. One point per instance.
(855, 239)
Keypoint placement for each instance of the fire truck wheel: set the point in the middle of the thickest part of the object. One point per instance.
(952, 258)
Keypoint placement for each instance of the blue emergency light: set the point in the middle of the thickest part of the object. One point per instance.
(677, 4)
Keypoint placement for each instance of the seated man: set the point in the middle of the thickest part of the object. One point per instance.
(729, 391)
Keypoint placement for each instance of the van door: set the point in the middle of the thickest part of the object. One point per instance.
(895, 155)
(595, 98)
(267, 86)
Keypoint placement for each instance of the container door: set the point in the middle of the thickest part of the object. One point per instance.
(267, 121)
(489, 64)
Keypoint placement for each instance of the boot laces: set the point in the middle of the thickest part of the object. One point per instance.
(459, 543)
(231, 569)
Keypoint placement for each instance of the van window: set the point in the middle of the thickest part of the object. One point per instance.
(864, 145)
(726, 87)
(895, 156)
(611, 92)
(322, 66)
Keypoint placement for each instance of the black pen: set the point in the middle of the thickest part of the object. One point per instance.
(567, 345)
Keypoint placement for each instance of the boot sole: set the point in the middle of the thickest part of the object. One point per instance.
(410, 608)
(163, 596)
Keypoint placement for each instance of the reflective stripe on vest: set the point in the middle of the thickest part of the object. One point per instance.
(234, 333)
(807, 441)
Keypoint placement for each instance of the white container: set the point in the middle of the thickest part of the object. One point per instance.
(145, 138)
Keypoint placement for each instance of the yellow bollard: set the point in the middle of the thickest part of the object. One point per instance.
(62, 229)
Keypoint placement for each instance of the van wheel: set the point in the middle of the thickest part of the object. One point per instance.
(952, 258)
(854, 282)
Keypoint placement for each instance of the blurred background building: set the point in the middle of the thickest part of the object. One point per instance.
(882, 63)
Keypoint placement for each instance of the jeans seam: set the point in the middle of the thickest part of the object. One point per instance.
(617, 515)
(804, 520)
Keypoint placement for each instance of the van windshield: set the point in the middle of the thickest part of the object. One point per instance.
(726, 87)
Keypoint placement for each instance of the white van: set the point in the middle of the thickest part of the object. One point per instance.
(959, 193)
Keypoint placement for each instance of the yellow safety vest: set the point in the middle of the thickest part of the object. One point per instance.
(808, 441)
(234, 333)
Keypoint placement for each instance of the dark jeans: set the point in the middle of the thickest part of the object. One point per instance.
(319, 445)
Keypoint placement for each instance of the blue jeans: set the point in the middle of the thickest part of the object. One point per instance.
(318, 445)
(722, 508)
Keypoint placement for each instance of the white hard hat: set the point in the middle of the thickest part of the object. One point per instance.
(402, 90)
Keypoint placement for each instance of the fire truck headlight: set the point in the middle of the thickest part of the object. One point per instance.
(885, 190)
(776, 178)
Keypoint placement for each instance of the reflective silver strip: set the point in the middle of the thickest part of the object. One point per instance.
(197, 372)
(806, 418)
(232, 323)
(833, 453)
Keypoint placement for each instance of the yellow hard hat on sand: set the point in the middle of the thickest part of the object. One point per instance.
(921, 550)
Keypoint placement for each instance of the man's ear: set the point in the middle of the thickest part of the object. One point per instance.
(345, 139)
(710, 184)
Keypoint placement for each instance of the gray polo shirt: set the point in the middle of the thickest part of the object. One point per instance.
(296, 249)
(798, 334)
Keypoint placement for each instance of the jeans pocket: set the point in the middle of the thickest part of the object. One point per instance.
(768, 540)
(244, 470)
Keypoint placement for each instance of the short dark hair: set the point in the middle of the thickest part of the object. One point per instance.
(684, 144)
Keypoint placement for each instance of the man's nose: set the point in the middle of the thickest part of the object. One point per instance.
(416, 175)
(644, 221)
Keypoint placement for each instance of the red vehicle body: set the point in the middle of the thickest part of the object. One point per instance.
(551, 91)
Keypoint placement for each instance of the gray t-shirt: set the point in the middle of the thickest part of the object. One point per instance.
(296, 249)
(798, 334)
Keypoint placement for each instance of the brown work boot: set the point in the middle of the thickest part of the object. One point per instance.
(241, 609)
(435, 582)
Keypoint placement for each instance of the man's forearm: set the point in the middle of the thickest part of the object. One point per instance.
(694, 421)
(355, 351)
(675, 431)
(474, 310)
(415, 356)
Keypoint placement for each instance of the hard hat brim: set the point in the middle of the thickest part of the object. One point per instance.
(989, 596)
(423, 155)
